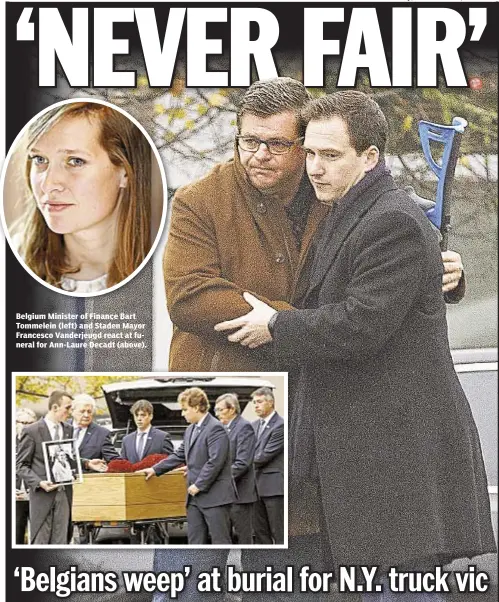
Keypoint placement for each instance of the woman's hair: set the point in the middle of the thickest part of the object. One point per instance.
(126, 146)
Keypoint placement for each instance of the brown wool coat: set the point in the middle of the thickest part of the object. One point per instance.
(226, 238)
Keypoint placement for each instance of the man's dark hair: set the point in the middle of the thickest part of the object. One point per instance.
(195, 398)
(265, 392)
(230, 400)
(142, 405)
(364, 119)
(273, 96)
(55, 398)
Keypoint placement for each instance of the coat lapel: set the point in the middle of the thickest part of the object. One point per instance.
(190, 434)
(88, 434)
(266, 431)
(233, 425)
(134, 448)
(67, 430)
(148, 444)
(341, 222)
(187, 439)
(44, 431)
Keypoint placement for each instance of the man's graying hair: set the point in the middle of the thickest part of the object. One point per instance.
(230, 400)
(365, 121)
(266, 393)
(273, 96)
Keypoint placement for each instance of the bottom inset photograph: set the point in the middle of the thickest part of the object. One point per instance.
(180, 460)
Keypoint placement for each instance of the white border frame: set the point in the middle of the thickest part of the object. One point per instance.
(159, 233)
(154, 375)
(48, 469)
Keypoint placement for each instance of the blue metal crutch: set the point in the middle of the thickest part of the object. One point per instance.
(450, 136)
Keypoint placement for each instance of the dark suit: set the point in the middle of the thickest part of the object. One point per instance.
(242, 450)
(22, 509)
(96, 444)
(380, 426)
(157, 442)
(269, 474)
(30, 467)
(207, 455)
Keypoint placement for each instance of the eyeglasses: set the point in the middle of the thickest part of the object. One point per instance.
(275, 147)
(25, 422)
(220, 410)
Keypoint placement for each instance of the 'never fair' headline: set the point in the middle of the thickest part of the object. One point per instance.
(87, 53)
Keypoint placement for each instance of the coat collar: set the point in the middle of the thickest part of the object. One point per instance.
(266, 430)
(90, 429)
(44, 430)
(344, 218)
(254, 195)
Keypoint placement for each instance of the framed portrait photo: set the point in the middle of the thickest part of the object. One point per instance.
(62, 462)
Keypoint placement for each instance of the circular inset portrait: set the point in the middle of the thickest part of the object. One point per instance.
(84, 197)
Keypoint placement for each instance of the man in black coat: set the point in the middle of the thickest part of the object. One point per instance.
(93, 440)
(271, 103)
(24, 417)
(242, 450)
(146, 440)
(269, 469)
(49, 504)
(383, 442)
(206, 452)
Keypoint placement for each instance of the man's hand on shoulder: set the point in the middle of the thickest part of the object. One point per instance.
(453, 270)
(252, 329)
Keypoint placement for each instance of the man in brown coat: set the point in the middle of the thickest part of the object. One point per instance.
(246, 226)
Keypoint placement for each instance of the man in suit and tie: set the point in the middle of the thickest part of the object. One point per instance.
(242, 449)
(269, 469)
(206, 451)
(24, 417)
(49, 504)
(146, 439)
(93, 440)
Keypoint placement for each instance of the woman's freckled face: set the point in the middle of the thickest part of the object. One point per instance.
(72, 178)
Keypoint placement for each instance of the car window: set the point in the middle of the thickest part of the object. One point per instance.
(480, 387)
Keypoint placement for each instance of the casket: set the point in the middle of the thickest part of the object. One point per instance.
(128, 497)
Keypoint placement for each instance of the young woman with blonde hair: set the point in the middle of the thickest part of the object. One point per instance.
(88, 174)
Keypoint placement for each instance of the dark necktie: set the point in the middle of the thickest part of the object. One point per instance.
(141, 445)
(57, 433)
(195, 434)
(261, 428)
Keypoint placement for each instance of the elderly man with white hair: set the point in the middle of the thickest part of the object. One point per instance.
(93, 440)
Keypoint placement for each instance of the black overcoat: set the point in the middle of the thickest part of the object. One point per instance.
(30, 466)
(378, 408)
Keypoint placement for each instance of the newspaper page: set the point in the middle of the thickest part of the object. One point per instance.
(276, 218)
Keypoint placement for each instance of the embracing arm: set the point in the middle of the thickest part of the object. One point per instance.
(390, 267)
(454, 284)
(198, 295)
